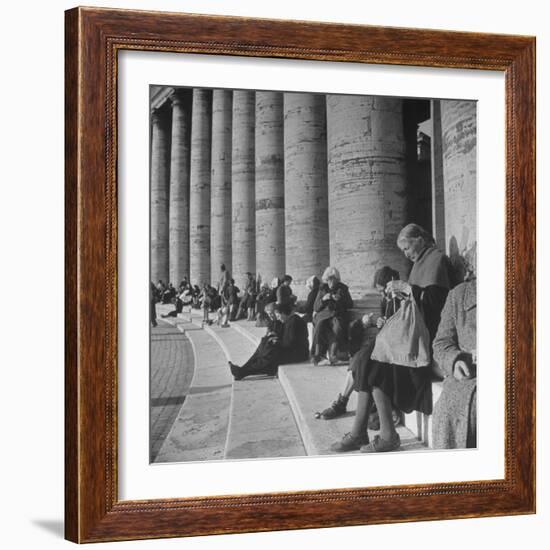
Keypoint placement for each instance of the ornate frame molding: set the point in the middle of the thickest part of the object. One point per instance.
(93, 39)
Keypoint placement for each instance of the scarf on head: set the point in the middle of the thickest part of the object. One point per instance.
(432, 268)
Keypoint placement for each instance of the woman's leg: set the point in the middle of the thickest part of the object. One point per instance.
(339, 405)
(337, 339)
(358, 436)
(320, 338)
(364, 404)
(385, 410)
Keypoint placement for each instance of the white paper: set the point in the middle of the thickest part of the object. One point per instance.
(138, 479)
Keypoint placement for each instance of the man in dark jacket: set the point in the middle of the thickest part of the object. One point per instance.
(287, 343)
(294, 344)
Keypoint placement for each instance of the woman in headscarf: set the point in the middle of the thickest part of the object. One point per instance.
(389, 385)
(312, 285)
(331, 316)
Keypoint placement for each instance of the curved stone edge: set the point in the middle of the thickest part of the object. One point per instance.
(189, 401)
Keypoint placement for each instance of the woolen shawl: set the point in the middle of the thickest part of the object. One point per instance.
(432, 268)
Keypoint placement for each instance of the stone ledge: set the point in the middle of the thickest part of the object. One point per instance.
(317, 435)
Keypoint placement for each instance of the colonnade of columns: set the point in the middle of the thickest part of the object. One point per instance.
(277, 182)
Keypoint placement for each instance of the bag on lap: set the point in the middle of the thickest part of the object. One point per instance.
(404, 339)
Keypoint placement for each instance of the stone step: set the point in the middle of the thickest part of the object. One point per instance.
(262, 423)
(311, 389)
(200, 429)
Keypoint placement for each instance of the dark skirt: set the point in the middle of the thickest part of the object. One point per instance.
(328, 330)
(410, 389)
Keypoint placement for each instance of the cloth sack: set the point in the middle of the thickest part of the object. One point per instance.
(404, 339)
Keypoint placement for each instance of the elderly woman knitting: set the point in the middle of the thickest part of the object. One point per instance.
(330, 322)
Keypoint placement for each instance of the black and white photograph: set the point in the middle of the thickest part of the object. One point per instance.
(313, 274)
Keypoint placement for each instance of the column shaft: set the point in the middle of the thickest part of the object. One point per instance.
(306, 209)
(160, 176)
(199, 199)
(242, 192)
(270, 178)
(366, 175)
(459, 136)
(220, 237)
(179, 188)
(438, 195)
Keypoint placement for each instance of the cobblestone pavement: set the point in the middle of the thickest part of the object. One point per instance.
(171, 374)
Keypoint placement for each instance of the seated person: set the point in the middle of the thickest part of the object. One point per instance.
(175, 312)
(361, 339)
(248, 299)
(286, 341)
(312, 285)
(454, 417)
(284, 296)
(330, 323)
(262, 300)
(169, 294)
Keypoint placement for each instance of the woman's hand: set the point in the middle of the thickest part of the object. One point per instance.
(327, 297)
(380, 322)
(462, 371)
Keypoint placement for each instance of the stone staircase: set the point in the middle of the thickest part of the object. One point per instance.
(260, 416)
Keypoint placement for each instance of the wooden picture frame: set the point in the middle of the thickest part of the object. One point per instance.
(93, 511)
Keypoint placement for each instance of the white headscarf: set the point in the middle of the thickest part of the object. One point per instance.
(331, 272)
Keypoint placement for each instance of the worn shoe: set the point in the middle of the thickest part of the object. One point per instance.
(338, 408)
(235, 371)
(379, 445)
(272, 371)
(349, 443)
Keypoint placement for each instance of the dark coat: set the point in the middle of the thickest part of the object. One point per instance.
(337, 306)
(307, 308)
(294, 343)
(284, 295)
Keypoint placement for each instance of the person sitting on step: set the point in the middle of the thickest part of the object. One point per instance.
(361, 336)
(330, 323)
(286, 341)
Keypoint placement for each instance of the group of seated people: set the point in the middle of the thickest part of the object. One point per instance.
(449, 315)
(448, 312)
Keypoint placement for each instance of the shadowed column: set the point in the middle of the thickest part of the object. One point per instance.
(306, 211)
(242, 191)
(438, 194)
(179, 187)
(458, 129)
(199, 197)
(366, 180)
(270, 191)
(220, 236)
(160, 179)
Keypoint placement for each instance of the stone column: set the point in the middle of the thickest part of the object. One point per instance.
(199, 196)
(438, 198)
(459, 137)
(160, 179)
(306, 210)
(242, 191)
(179, 187)
(270, 181)
(220, 207)
(366, 179)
